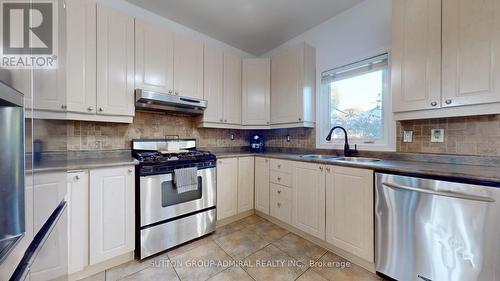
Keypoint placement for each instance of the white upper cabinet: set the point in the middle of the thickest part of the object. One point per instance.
(416, 54)
(293, 82)
(81, 56)
(232, 89)
(308, 211)
(188, 67)
(471, 52)
(111, 213)
(245, 184)
(212, 85)
(349, 210)
(154, 57)
(256, 92)
(115, 62)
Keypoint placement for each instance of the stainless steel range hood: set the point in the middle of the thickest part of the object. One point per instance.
(148, 100)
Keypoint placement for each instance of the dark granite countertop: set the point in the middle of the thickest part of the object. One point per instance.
(475, 174)
(81, 161)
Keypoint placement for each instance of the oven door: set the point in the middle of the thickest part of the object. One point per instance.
(160, 201)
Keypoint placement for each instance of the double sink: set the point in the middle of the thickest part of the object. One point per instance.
(343, 159)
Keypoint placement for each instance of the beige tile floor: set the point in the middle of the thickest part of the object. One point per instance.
(249, 249)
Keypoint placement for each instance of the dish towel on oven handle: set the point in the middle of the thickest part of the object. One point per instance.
(186, 179)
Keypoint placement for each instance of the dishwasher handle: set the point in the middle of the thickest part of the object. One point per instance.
(439, 193)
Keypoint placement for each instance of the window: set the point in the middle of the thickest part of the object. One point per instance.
(356, 97)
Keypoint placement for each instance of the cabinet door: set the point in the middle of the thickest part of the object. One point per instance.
(262, 185)
(78, 226)
(212, 85)
(232, 89)
(471, 52)
(49, 85)
(256, 92)
(416, 55)
(111, 211)
(81, 56)
(49, 190)
(188, 67)
(286, 82)
(115, 62)
(227, 187)
(154, 57)
(308, 185)
(245, 184)
(349, 210)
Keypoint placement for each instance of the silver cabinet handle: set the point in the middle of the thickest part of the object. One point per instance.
(328, 169)
(434, 103)
(267, 160)
(101, 109)
(225, 121)
(279, 166)
(321, 168)
(300, 119)
(176, 93)
(279, 191)
(90, 108)
(439, 193)
(279, 205)
(77, 177)
(130, 171)
(448, 101)
(279, 178)
(221, 120)
(64, 106)
(170, 91)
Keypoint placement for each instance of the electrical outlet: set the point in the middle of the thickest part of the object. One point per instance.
(437, 135)
(407, 136)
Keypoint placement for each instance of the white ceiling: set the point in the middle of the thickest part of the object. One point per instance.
(254, 26)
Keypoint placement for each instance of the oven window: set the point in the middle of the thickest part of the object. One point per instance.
(170, 195)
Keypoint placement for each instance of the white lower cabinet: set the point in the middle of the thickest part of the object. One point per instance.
(78, 226)
(245, 184)
(349, 210)
(309, 198)
(262, 185)
(280, 204)
(112, 213)
(49, 190)
(227, 187)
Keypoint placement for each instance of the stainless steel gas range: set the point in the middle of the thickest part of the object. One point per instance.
(175, 194)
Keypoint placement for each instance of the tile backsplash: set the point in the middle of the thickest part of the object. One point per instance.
(474, 135)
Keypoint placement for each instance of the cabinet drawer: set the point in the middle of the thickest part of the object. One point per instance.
(281, 191)
(281, 209)
(281, 178)
(281, 166)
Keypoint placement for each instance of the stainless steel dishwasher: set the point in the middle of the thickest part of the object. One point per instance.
(436, 230)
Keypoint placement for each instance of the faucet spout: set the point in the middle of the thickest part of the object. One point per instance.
(347, 150)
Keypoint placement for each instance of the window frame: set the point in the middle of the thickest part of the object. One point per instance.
(388, 143)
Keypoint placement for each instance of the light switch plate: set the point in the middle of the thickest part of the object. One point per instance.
(437, 135)
(407, 136)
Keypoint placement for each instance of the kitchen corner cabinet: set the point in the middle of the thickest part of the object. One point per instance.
(111, 213)
(443, 58)
(246, 178)
(154, 57)
(308, 215)
(188, 67)
(349, 210)
(227, 187)
(256, 92)
(293, 73)
(115, 62)
(232, 89)
(212, 85)
(262, 185)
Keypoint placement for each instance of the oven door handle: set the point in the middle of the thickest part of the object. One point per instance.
(439, 193)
